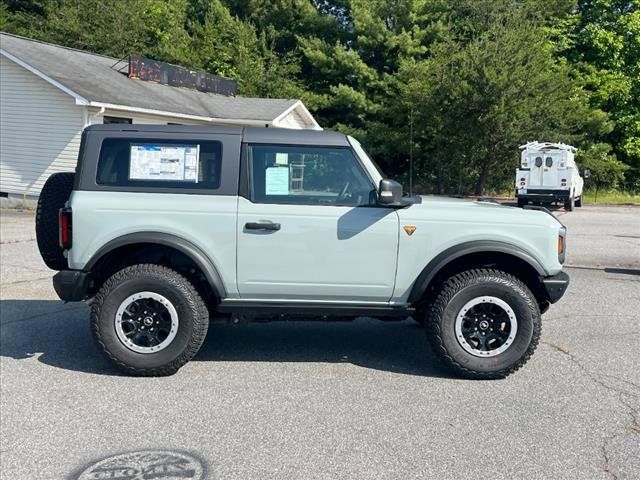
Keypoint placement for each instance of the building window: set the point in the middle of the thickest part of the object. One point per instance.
(106, 119)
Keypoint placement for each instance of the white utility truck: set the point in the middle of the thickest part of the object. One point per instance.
(548, 173)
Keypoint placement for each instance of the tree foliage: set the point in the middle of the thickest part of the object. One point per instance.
(471, 79)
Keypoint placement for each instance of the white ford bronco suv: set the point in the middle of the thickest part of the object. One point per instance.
(163, 227)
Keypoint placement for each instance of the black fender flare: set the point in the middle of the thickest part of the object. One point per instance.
(457, 251)
(194, 252)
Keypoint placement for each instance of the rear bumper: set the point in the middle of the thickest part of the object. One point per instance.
(545, 195)
(555, 286)
(71, 285)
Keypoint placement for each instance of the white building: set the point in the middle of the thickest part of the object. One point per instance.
(49, 93)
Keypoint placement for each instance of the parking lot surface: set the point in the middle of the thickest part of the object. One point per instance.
(316, 400)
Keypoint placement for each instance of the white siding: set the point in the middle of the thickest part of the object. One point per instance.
(40, 130)
(293, 120)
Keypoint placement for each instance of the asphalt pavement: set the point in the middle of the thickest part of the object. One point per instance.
(316, 400)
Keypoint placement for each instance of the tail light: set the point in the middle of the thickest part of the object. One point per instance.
(64, 228)
(522, 179)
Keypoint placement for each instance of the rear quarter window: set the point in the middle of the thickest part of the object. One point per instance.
(149, 162)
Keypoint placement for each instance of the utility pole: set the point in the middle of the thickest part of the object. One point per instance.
(411, 151)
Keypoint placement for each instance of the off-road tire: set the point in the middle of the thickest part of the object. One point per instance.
(54, 195)
(579, 201)
(459, 289)
(419, 316)
(192, 313)
(569, 204)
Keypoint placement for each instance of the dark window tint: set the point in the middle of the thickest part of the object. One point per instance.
(307, 175)
(538, 161)
(106, 119)
(548, 161)
(140, 162)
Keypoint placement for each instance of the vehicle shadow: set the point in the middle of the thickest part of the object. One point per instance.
(59, 335)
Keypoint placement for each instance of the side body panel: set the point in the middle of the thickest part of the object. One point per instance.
(577, 182)
(204, 217)
(332, 253)
(442, 224)
(206, 221)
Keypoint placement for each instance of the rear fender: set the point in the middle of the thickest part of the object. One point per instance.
(200, 258)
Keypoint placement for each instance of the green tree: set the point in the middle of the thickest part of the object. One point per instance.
(604, 46)
(474, 78)
(606, 172)
(195, 33)
(480, 96)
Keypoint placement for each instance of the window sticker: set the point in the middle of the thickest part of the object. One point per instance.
(164, 162)
(282, 159)
(277, 181)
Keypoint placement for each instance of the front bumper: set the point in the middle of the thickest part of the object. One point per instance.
(555, 286)
(71, 285)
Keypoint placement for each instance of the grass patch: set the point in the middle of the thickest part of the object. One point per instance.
(611, 198)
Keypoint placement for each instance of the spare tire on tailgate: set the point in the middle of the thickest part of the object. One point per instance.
(54, 195)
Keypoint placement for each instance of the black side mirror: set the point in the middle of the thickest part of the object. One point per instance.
(586, 173)
(390, 193)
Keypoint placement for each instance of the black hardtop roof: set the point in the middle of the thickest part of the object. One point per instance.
(285, 136)
(295, 137)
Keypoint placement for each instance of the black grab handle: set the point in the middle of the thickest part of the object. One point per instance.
(262, 226)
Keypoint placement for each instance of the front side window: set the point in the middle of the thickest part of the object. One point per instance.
(307, 175)
(182, 164)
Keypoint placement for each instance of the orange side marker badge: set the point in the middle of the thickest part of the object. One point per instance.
(409, 229)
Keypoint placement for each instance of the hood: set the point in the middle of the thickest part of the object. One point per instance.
(459, 209)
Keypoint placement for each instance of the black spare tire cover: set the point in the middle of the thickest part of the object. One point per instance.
(54, 195)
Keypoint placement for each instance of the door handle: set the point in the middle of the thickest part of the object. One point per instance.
(268, 225)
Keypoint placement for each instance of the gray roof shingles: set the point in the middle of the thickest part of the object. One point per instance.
(93, 77)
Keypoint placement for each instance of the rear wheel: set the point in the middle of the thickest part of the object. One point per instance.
(484, 324)
(53, 196)
(569, 204)
(521, 202)
(149, 320)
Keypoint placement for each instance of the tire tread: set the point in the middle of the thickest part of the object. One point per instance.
(201, 317)
(53, 196)
(452, 286)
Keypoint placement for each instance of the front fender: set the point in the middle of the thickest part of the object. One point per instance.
(442, 259)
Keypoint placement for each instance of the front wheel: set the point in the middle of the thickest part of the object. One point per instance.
(579, 201)
(484, 324)
(149, 320)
